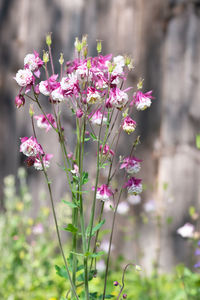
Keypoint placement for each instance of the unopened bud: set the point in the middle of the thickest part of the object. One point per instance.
(79, 113)
(138, 268)
(84, 40)
(45, 57)
(78, 45)
(61, 60)
(111, 67)
(31, 110)
(115, 283)
(140, 84)
(88, 63)
(19, 101)
(99, 46)
(124, 296)
(48, 39)
(85, 51)
(129, 62)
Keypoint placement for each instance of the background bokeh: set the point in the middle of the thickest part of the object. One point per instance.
(163, 37)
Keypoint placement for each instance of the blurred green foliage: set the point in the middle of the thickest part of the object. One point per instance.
(28, 254)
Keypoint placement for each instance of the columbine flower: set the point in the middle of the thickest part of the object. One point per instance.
(131, 164)
(93, 95)
(30, 146)
(96, 118)
(79, 113)
(104, 193)
(119, 60)
(142, 101)
(134, 185)
(75, 171)
(45, 160)
(106, 151)
(47, 86)
(134, 199)
(58, 95)
(186, 231)
(83, 74)
(33, 62)
(129, 125)
(123, 208)
(43, 88)
(42, 122)
(19, 101)
(117, 98)
(24, 77)
(68, 83)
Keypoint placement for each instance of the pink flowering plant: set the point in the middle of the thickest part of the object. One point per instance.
(93, 89)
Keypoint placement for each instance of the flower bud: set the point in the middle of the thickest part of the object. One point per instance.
(31, 110)
(115, 283)
(140, 84)
(124, 296)
(99, 46)
(48, 39)
(79, 113)
(84, 40)
(45, 57)
(78, 45)
(85, 51)
(88, 63)
(61, 60)
(19, 101)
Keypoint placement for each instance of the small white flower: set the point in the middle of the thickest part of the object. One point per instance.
(186, 231)
(57, 95)
(134, 199)
(31, 61)
(24, 77)
(43, 88)
(123, 208)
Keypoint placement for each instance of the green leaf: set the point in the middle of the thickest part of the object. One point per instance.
(71, 228)
(79, 254)
(87, 139)
(97, 227)
(94, 255)
(198, 141)
(61, 271)
(71, 204)
(84, 178)
(93, 137)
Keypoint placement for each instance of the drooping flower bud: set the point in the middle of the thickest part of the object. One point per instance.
(115, 283)
(19, 101)
(79, 113)
(45, 57)
(99, 46)
(48, 39)
(124, 296)
(61, 60)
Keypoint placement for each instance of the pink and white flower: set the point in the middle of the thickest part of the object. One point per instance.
(45, 161)
(104, 193)
(58, 95)
(134, 185)
(38, 229)
(24, 77)
(142, 101)
(68, 83)
(42, 122)
(47, 86)
(93, 95)
(19, 101)
(83, 73)
(131, 164)
(98, 117)
(128, 125)
(186, 231)
(30, 146)
(117, 98)
(33, 62)
(107, 151)
(43, 88)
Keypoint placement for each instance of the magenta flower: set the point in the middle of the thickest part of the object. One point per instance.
(69, 83)
(142, 101)
(97, 116)
(131, 164)
(128, 125)
(33, 63)
(104, 193)
(19, 101)
(45, 161)
(30, 147)
(106, 150)
(134, 185)
(117, 98)
(93, 95)
(47, 86)
(42, 122)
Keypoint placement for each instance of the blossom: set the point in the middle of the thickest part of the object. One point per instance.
(117, 98)
(142, 101)
(83, 74)
(131, 164)
(47, 86)
(134, 199)
(43, 122)
(119, 60)
(93, 95)
(134, 185)
(33, 62)
(58, 95)
(123, 208)
(97, 117)
(30, 146)
(45, 162)
(68, 83)
(24, 77)
(186, 231)
(128, 125)
(106, 150)
(19, 101)
(104, 193)
(79, 113)
(43, 88)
